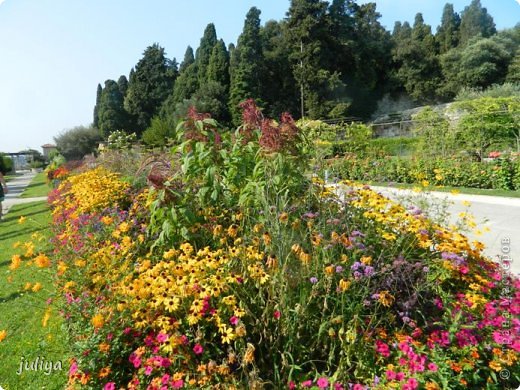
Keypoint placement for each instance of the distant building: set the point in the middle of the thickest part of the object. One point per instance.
(48, 149)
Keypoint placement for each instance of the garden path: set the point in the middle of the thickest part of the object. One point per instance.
(16, 187)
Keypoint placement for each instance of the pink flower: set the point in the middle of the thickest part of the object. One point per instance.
(277, 314)
(165, 379)
(307, 383)
(162, 337)
(292, 385)
(382, 348)
(338, 386)
(109, 386)
(357, 386)
(323, 383)
(198, 349)
(178, 384)
(148, 370)
(233, 320)
(413, 383)
(432, 367)
(73, 368)
(399, 376)
(390, 375)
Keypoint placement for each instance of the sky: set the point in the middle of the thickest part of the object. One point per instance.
(53, 53)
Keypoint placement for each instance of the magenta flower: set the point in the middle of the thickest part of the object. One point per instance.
(109, 386)
(277, 314)
(198, 349)
(148, 370)
(233, 320)
(432, 367)
(307, 383)
(162, 337)
(323, 383)
(73, 368)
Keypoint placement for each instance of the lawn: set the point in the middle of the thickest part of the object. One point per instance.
(23, 310)
(38, 187)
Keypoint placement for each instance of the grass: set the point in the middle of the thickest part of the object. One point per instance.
(462, 190)
(23, 310)
(38, 187)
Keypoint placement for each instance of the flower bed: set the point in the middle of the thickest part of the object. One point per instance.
(235, 271)
(501, 173)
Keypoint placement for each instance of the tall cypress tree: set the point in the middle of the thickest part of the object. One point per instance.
(207, 43)
(218, 66)
(148, 87)
(248, 67)
(475, 20)
(447, 36)
(189, 59)
(122, 82)
(112, 115)
(99, 91)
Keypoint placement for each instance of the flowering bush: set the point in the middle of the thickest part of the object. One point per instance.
(238, 272)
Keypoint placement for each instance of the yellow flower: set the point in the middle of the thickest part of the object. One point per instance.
(107, 220)
(21, 219)
(385, 298)
(367, 260)
(46, 317)
(267, 238)
(249, 355)
(283, 218)
(98, 321)
(494, 365)
(42, 261)
(104, 372)
(37, 287)
(16, 244)
(27, 286)
(16, 260)
(104, 347)
(344, 284)
(3, 335)
(329, 270)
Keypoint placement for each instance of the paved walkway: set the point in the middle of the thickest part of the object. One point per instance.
(16, 186)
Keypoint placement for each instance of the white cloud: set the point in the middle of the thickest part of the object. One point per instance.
(1, 1)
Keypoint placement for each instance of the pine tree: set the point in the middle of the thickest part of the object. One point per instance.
(112, 115)
(475, 20)
(418, 65)
(218, 67)
(189, 59)
(308, 34)
(95, 122)
(447, 35)
(279, 86)
(247, 72)
(149, 86)
(207, 43)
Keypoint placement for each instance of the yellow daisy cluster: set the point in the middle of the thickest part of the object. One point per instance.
(94, 190)
(194, 287)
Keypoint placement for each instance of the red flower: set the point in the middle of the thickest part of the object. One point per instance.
(198, 349)
(277, 314)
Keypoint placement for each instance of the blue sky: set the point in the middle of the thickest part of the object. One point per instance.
(53, 53)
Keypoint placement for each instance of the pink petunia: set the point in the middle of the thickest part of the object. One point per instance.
(148, 370)
(162, 337)
(73, 368)
(198, 349)
(277, 314)
(233, 320)
(178, 384)
(109, 386)
(432, 367)
(323, 383)
(307, 383)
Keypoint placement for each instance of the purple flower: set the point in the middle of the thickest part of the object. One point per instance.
(313, 280)
(339, 269)
(369, 271)
(357, 274)
(357, 233)
(356, 265)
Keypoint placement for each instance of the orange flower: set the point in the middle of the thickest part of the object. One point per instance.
(42, 261)
(3, 335)
(104, 372)
(16, 260)
(98, 321)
